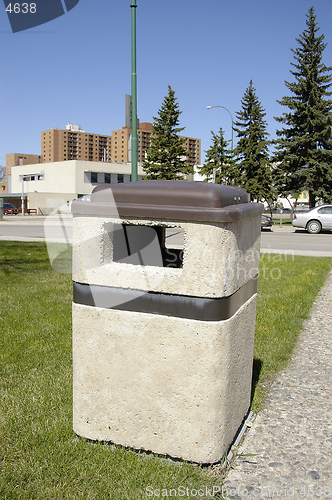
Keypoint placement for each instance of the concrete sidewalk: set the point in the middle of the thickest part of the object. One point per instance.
(287, 453)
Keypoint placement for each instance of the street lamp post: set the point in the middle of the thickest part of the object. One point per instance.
(24, 178)
(210, 107)
(134, 141)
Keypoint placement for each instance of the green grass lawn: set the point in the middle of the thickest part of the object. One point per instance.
(287, 288)
(40, 456)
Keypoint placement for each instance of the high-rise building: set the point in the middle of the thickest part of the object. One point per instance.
(76, 144)
(121, 143)
(193, 146)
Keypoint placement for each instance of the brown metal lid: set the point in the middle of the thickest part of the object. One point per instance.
(171, 200)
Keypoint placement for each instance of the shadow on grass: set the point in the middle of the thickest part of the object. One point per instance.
(28, 256)
(257, 368)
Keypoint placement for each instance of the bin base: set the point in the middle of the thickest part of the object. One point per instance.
(173, 386)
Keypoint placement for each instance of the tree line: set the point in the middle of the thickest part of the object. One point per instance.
(302, 152)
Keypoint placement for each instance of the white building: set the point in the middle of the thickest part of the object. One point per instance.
(47, 186)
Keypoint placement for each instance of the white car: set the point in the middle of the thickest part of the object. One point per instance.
(314, 220)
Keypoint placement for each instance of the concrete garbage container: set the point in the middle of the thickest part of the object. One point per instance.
(163, 336)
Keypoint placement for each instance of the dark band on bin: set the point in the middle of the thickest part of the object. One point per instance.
(179, 306)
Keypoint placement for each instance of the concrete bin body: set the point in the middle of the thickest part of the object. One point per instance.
(163, 337)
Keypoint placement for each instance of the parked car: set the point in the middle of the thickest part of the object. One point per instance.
(314, 220)
(266, 222)
(8, 208)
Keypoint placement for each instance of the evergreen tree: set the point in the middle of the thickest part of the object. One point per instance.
(219, 164)
(303, 148)
(252, 148)
(166, 158)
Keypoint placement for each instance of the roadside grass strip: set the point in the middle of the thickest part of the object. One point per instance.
(287, 288)
(41, 458)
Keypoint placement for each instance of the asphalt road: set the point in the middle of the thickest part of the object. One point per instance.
(297, 241)
(32, 228)
(279, 240)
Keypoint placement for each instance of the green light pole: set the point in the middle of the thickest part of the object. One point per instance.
(210, 107)
(134, 154)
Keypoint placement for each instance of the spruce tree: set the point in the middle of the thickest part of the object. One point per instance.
(166, 158)
(219, 165)
(303, 148)
(252, 154)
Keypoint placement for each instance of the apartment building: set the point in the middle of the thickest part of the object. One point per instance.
(76, 144)
(120, 144)
(193, 146)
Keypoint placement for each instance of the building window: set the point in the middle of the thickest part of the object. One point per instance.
(31, 177)
(120, 178)
(98, 177)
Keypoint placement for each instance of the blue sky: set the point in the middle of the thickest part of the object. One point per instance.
(77, 68)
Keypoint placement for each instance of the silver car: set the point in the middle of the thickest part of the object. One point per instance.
(314, 220)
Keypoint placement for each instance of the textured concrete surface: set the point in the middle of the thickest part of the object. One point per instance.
(218, 259)
(170, 385)
(174, 386)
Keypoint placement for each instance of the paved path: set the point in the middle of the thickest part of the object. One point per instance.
(287, 453)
